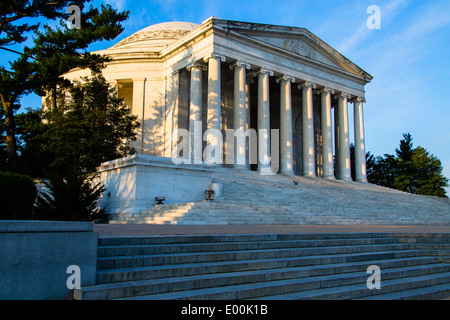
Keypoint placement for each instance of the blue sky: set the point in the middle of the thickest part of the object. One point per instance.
(409, 57)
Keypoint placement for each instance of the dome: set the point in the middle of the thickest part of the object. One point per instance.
(156, 37)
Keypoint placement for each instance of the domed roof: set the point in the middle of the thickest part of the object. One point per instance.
(156, 37)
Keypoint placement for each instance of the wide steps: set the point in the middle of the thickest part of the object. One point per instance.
(249, 198)
(304, 286)
(271, 266)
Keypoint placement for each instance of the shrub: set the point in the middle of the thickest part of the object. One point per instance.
(17, 196)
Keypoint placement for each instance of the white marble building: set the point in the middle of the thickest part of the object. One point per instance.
(237, 75)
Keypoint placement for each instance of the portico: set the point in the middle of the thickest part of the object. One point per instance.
(283, 88)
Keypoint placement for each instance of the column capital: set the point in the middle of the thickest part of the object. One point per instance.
(215, 56)
(286, 77)
(265, 71)
(325, 90)
(308, 85)
(359, 99)
(342, 95)
(328, 90)
(197, 65)
(240, 64)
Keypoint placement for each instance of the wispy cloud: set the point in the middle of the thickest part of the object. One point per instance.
(388, 12)
(117, 4)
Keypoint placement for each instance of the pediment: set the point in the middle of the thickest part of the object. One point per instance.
(295, 40)
(300, 46)
(305, 47)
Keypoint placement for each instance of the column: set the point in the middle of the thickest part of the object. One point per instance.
(286, 153)
(264, 121)
(253, 144)
(360, 148)
(214, 109)
(309, 165)
(327, 138)
(138, 110)
(240, 114)
(343, 150)
(195, 112)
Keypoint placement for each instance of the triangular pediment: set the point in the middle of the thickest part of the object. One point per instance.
(295, 40)
(301, 46)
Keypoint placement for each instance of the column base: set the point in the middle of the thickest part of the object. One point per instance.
(240, 167)
(288, 172)
(329, 177)
(265, 171)
(309, 175)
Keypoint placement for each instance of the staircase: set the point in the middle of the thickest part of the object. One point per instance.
(271, 267)
(249, 198)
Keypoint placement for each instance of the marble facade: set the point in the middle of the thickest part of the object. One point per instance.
(226, 75)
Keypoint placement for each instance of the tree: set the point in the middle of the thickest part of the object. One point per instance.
(383, 170)
(412, 170)
(423, 175)
(14, 83)
(61, 49)
(55, 51)
(92, 127)
(14, 30)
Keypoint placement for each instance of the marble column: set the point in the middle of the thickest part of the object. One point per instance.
(343, 144)
(360, 148)
(264, 121)
(309, 165)
(138, 110)
(286, 149)
(214, 108)
(327, 134)
(195, 112)
(240, 114)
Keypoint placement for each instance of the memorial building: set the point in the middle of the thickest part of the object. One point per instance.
(288, 91)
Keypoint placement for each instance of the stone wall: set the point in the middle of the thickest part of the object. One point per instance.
(35, 257)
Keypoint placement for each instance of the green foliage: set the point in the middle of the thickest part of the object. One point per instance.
(92, 127)
(60, 49)
(54, 52)
(74, 198)
(422, 175)
(14, 29)
(17, 196)
(60, 149)
(412, 170)
(382, 170)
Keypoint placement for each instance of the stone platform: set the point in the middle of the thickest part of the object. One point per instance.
(248, 198)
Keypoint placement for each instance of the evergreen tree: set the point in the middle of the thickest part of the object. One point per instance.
(55, 51)
(92, 127)
(412, 170)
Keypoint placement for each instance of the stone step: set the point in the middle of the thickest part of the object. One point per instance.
(431, 282)
(313, 266)
(166, 259)
(310, 287)
(220, 238)
(249, 198)
(422, 293)
(143, 249)
(275, 266)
